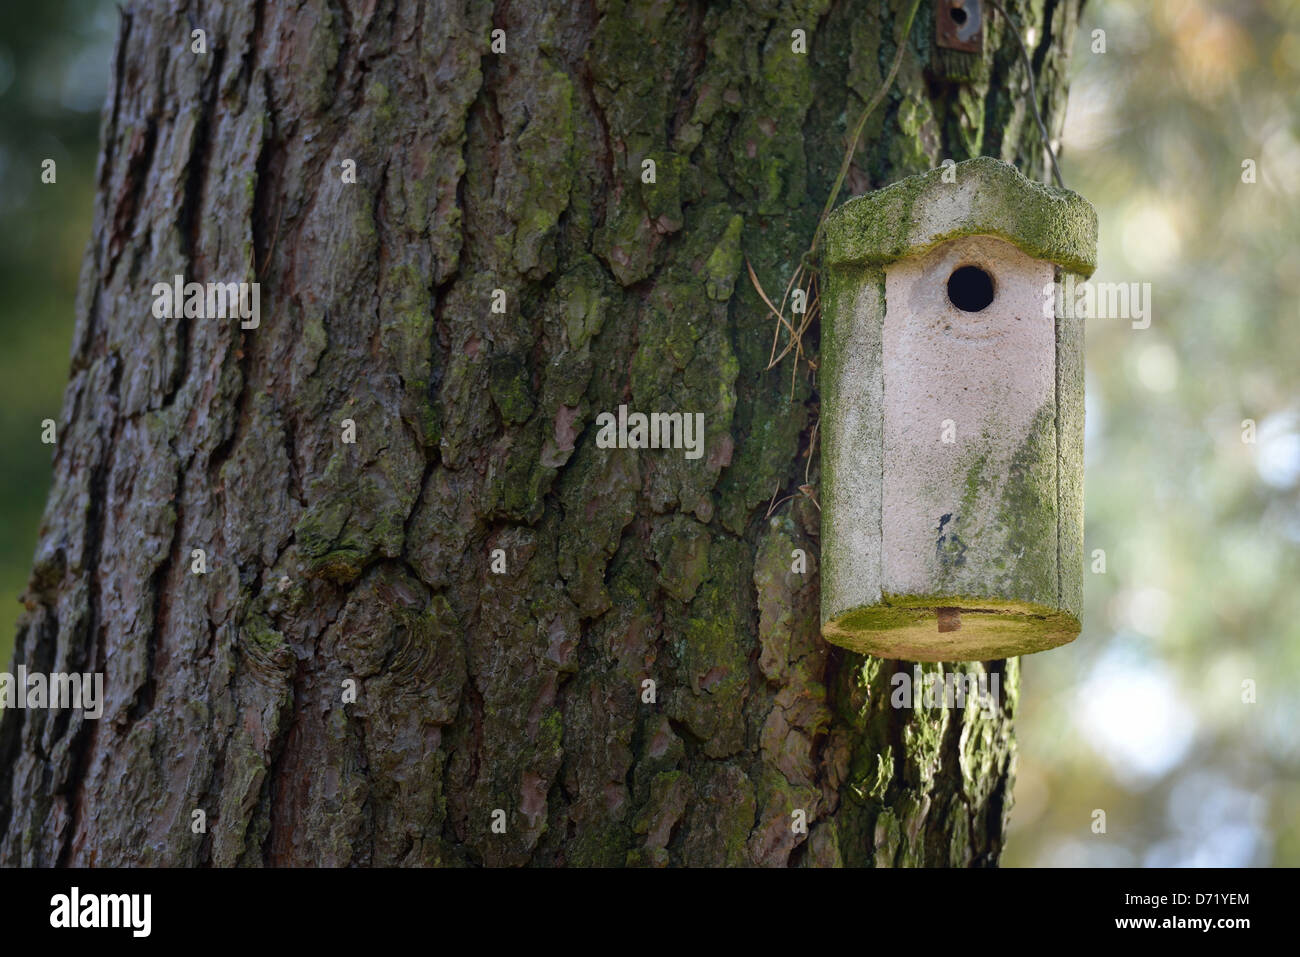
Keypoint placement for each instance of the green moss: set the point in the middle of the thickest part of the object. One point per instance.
(601, 846)
(989, 198)
(775, 424)
(320, 526)
(542, 191)
(906, 627)
(340, 565)
(712, 646)
(517, 481)
(917, 144)
(406, 326)
(632, 81)
(258, 633)
(584, 296)
(724, 262)
(321, 59)
(966, 123)
(662, 199)
(550, 732)
(376, 94)
(1028, 513)
(598, 492)
(886, 839)
(510, 387)
(681, 549)
(1014, 537)
(360, 502)
(874, 784)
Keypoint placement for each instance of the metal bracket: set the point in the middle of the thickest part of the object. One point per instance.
(959, 25)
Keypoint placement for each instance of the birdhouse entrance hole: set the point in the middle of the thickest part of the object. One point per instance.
(970, 288)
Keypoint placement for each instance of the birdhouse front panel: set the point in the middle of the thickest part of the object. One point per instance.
(969, 482)
(952, 417)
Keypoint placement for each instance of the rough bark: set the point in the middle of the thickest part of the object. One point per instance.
(475, 431)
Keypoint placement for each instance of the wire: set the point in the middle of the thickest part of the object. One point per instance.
(1033, 96)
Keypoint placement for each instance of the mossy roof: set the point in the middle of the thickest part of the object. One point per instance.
(987, 198)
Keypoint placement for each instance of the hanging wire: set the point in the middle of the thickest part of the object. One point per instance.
(1033, 96)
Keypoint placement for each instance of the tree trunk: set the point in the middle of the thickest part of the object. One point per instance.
(374, 565)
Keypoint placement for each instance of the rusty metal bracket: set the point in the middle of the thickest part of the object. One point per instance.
(959, 25)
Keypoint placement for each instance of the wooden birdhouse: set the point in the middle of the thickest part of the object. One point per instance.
(952, 417)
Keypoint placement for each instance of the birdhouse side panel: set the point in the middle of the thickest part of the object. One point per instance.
(1070, 441)
(853, 310)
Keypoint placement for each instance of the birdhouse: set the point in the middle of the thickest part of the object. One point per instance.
(952, 416)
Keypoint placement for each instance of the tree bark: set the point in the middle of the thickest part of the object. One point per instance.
(330, 563)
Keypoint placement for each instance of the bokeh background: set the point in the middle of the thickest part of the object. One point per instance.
(1143, 716)
(54, 72)
(1147, 716)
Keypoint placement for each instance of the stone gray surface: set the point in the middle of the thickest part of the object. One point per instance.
(987, 526)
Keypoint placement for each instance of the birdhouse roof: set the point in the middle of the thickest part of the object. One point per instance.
(986, 198)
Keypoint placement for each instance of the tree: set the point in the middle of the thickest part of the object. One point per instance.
(471, 635)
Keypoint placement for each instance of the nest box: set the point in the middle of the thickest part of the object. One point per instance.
(952, 417)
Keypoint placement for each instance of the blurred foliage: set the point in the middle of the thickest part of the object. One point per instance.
(1143, 716)
(54, 69)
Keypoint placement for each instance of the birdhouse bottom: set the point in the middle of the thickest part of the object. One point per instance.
(950, 628)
